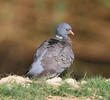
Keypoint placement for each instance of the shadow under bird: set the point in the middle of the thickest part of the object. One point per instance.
(54, 55)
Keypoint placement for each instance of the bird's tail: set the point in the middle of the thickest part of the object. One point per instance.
(29, 75)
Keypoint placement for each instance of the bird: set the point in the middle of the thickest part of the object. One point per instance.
(53, 56)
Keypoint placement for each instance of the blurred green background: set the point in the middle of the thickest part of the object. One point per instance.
(25, 24)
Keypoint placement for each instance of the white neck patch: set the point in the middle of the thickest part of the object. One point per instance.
(60, 37)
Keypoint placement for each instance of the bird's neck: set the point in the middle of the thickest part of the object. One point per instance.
(65, 39)
(58, 37)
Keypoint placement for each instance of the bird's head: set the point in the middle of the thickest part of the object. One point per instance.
(63, 30)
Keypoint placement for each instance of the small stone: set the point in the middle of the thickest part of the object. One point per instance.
(88, 99)
(100, 97)
(61, 98)
(83, 82)
(14, 78)
(107, 80)
(72, 82)
(54, 81)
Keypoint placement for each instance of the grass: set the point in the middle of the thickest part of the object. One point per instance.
(96, 88)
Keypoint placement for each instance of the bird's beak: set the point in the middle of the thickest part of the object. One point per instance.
(70, 31)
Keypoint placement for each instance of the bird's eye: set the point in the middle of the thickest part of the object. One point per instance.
(67, 29)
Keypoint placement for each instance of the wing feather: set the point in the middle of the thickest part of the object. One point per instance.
(51, 59)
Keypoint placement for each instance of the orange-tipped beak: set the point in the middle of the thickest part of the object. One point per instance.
(70, 31)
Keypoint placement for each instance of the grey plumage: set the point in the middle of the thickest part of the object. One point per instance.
(53, 56)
